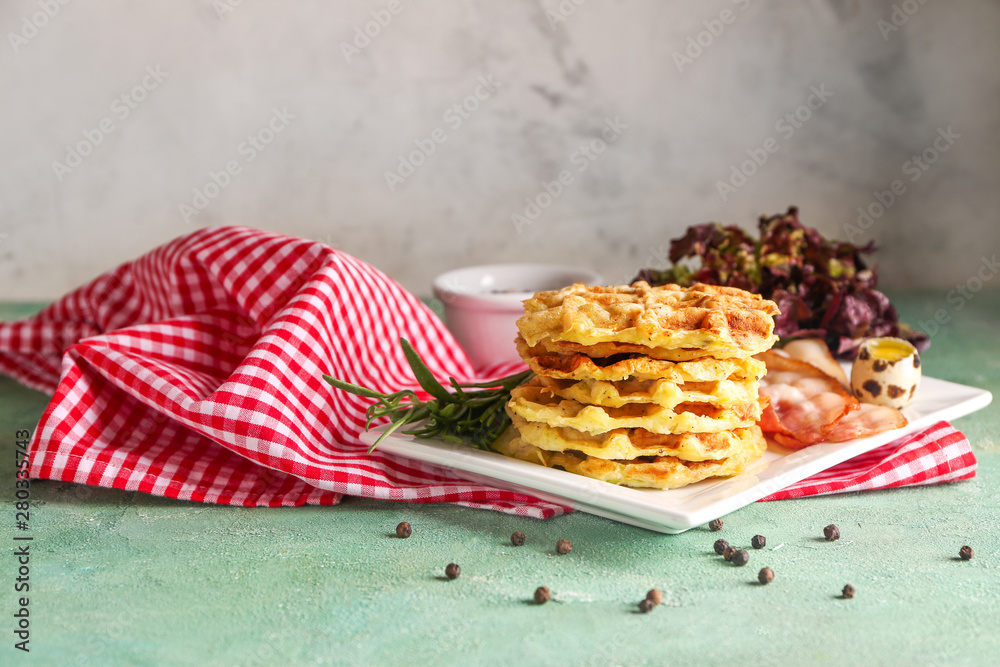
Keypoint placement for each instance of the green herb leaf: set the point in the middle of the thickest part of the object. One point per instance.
(473, 413)
(423, 374)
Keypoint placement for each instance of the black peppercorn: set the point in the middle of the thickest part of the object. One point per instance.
(646, 606)
(517, 539)
(740, 557)
(765, 576)
(831, 533)
(965, 553)
(404, 530)
(728, 552)
(758, 541)
(564, 547)
(542, 595)
(655, 596)
(848, 592)
(715, 524)
(452, 571)
(720, 546)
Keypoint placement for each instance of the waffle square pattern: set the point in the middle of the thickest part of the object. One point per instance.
(641, 386)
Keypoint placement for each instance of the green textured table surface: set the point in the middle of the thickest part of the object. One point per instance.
(126, 578)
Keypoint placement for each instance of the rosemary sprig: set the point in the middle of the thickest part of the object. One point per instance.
(474, 417)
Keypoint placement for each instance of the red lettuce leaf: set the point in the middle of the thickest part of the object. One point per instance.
(824, 288)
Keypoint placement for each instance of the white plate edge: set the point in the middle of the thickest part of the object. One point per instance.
(620, 504)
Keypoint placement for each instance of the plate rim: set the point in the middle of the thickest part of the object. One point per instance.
(629, 504)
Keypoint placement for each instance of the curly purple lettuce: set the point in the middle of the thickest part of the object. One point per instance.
(823, 288)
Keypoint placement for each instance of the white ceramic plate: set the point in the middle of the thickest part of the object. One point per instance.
(677, 510)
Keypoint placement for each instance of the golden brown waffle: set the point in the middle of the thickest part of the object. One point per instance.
(720, 393)
(602, 350)
(663, 472)
(641, 386)
(721, 322)
(532, 402)
(632, 443)
(621, 367)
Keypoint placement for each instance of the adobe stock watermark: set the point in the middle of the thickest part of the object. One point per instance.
(898, 17)
(581, 159)
(21, 546)
(363, 35)
(658, 258)
(246, 152)
(786, 127)
(562, 12)
(121, 108)
(961, 294)
(455, 116)
(239, 338)
(32, 25)
(702, 40)
(223, 8)
(913, 169)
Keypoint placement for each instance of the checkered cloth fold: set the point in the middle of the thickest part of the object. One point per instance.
(195, 372)
(937, 454)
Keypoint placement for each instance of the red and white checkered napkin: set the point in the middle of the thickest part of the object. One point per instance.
(937, 454)
(195, 372)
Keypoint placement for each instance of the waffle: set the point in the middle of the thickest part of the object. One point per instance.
(720, 393)
(722, 322)
(641, 386)
(662, 472)
(621, 367)
(628, 444)
(532, 402)
(602, 350)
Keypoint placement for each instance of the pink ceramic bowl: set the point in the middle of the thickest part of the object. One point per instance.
(482, 303)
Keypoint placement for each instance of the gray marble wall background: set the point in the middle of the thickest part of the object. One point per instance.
(692, 88)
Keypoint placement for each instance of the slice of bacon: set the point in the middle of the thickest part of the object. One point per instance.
(805, 403)
(814, 351)
(868, 420)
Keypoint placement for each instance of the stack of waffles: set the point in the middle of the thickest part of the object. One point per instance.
(641, 386)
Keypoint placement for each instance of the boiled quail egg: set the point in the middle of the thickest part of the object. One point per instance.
(886, 372)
